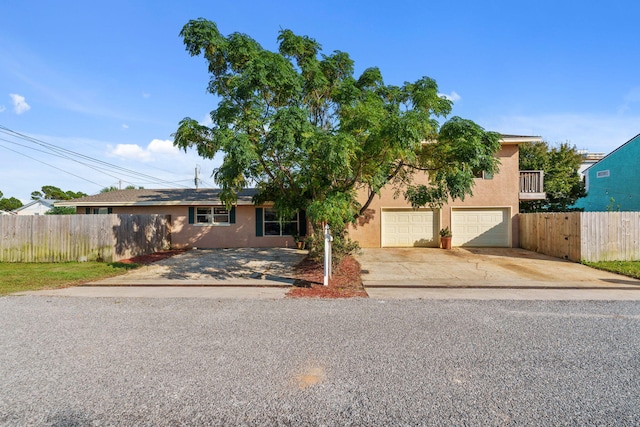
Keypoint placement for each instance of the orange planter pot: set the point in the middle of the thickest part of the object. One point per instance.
(445, 242)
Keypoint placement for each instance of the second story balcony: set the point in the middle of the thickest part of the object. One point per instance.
(532, 185)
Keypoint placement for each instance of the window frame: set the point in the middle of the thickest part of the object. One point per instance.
(483, 175)
(279, 223)
(211, 216)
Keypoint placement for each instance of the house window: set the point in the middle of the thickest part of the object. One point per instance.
(482, 174)
(274, 226)
(100, 211)
(212, 215)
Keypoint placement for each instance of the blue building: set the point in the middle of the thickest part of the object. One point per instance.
(613, 183)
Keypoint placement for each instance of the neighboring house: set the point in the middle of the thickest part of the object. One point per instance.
(613, 183)
(199, 219)
(36, 207)
(6, 212)
(588, 160)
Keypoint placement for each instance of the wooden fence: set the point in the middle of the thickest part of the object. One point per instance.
(60, 238)
(582, 236)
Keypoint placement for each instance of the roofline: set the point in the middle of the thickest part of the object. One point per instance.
(518, 139)
(586, 169)
(171, 203)
(46, 202)
(507, 139)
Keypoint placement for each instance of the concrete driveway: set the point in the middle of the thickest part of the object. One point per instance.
(482, 268)
(262, 267)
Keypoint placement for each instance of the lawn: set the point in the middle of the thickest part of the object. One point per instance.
(16, 277)
(628, 268)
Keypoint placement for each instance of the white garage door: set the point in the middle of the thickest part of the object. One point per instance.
(408, 227)
(480, 227)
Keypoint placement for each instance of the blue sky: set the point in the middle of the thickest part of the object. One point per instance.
(111, 80)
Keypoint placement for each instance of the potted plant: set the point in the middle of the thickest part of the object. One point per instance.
(299, 241)
(445, 238)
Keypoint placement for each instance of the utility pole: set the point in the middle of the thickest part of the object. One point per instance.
(196, 178)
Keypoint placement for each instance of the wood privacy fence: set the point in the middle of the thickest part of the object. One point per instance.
(60, 238)
(582, 236)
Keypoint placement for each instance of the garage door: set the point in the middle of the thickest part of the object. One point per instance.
(480, 227)
(408, 227)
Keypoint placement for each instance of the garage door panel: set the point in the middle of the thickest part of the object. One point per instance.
(480, 227)
(408, 227)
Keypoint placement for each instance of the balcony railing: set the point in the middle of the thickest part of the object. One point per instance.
(532, 185)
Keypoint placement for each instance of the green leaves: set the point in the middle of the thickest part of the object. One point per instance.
(298, 126)
(562, 183)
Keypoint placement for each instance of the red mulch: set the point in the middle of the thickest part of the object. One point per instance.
(344, 283)
(150, 258)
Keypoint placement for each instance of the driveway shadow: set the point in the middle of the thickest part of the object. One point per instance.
(275, 264)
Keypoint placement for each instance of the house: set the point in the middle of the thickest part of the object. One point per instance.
(6, 212)
(199, 219)
(588, 159)
(613, 183)
(489, 218)
(36, 207)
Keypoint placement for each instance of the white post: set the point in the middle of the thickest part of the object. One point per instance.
(328, 238)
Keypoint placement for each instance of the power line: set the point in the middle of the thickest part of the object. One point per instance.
(44, 163)
(68, 154)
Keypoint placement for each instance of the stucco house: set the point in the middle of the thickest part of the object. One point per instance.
(199, 219)
(488, 218)
(613, 183)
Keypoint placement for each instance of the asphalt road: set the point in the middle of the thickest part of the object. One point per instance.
(138, 361)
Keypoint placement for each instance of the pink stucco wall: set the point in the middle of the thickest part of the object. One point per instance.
(185, 235)
(501, 191)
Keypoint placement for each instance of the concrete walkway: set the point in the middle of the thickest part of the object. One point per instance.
(211, 292)
(411, 273)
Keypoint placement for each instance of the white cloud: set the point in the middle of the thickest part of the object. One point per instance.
(146, 95)
(130, 152)
(162, 146)
(19, 104)
(125, 126)
(156, 150)
(2, 108)
(453, 96)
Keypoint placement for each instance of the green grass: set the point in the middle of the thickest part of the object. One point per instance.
(628, 268)
(17, 277)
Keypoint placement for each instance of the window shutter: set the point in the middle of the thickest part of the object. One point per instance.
(192, 215)
(87, 211)
(110, 210)
(232, 215)
(302, 223)
(259, 231)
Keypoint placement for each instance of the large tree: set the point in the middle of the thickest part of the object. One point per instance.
(301, 128)
(562, 183)
(10, 203)
(50, 192)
